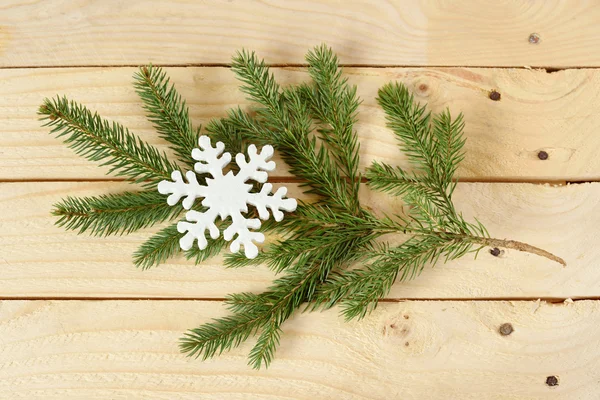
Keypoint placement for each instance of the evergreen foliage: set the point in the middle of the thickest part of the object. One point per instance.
(312, 127)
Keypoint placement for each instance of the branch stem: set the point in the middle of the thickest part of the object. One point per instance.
(516, 245)
(485, 241)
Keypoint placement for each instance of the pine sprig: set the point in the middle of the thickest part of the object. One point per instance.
(165, 244)
(329, 252)
(99, 140)
(220, 130)
(167, 111)
(335, 105)
(411, 123)
(115, 213)
(159, 248)
(322, 240)
(284, 120)
(435, 147)
(450, 143)
(128, 156)
(265, 313)
(358, 290)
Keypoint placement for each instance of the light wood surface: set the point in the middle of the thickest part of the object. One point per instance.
(39, 259)
(55, 350)
(58, 343)
(557, 113)
(394, 32)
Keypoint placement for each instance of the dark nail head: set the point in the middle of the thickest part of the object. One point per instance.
(505, 329)
(542, 155)
(495, 252)
(552, 381)
(534, 38)
(495, 96)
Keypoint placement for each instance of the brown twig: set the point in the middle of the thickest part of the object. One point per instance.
(515, 245)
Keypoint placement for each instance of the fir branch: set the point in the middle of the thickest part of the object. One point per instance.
(221, 130)
(266, 313)
(411, 123)
(321, 240)
(435, 146)
(160, 247)
(284, 120)
(335, 104)
(261, 88)
(99, 140)
(115, 213)
(167, 111)
(450, 143)
(165, 244)
(311, 233)
(300, 151)
(359, 290)
(312, 126)
(213, 248)
(395, 181)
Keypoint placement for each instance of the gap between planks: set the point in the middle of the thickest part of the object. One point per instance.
(549, 69)
(551, 300)
(288, 179)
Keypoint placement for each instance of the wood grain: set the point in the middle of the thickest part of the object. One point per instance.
(556, 112)
(393, 32)
(410, 350)
(41, 260)
(123, 347)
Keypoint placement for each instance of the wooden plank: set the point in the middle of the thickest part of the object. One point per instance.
(41, 260)
(409, 350)
(395, 32)
(557, 113)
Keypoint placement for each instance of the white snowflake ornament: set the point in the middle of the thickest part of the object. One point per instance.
(226, 195)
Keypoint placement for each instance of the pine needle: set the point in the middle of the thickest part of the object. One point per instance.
(99, 140)
(115, 213)
(167, 111)
(160, 247)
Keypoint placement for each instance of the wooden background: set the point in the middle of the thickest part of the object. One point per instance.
(78, 321)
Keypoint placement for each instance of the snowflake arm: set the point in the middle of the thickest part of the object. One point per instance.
(178, 189)
(275, 202)
(258, 164)
(202, 222)
(245, 237)
(208, 158)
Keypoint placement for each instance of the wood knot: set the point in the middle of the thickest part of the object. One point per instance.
(422, 89)
(552, 380)
(399, 330)
(407, 332)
